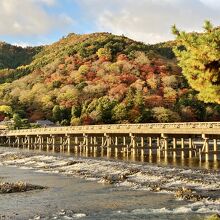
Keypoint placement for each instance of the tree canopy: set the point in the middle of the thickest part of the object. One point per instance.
(199, 57)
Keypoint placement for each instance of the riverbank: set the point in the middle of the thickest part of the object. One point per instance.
(140, 187)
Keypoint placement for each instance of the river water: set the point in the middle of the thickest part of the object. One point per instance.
(81, 187)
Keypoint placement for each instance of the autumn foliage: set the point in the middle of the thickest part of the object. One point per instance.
(102, 78)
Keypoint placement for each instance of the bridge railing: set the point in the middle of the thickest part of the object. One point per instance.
(115, 127)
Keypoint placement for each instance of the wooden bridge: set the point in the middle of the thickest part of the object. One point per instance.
(190, 139)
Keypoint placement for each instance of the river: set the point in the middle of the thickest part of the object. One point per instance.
(81, 187)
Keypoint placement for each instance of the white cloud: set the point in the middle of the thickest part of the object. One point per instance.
(21, 44)
(29, 17)
(150, 20)
(214, 4)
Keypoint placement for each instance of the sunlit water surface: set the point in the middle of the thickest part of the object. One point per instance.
(71, 197)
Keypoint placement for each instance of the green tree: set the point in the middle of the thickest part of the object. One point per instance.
(139, 100)
(199, 58)
(56, 113)
(119, 113)
(190, 100)
(129, 99)
(65, 115)
(162, 115)
(17, 121)
(76, 111)
(25, 123)
(105, 106)
(146, 116)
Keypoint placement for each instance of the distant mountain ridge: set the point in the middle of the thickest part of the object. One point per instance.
(13, 56)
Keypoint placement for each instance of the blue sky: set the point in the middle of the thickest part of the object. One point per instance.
(36, 22)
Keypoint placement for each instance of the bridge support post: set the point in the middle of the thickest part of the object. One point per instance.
(142, 141)
(190, 147)
(150, 146)
(174, 147)
(205, 147)
(107, 140)
(18, 141)
(133, 144)
(68, 143)
(35, 141)
(165, 145)
(91, 140)
(9, 141)
(91, 143)
(48, 143)
(133, 141)
(124, 140)
(116, 141)
(215, 157)
(61, 143)
(32, 141)
(108, 144)
(85, 140)
(102, 141)
(53, 142)
(42, 142)
(28, 142)
(95, 141)
(158, 146)
(76, 141)
(182, 148)
(142, 147)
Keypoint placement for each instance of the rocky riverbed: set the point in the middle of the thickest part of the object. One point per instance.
(8, 187)
(194, 185)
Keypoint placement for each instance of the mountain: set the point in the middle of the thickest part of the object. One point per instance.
(99, 78)
(13, 56)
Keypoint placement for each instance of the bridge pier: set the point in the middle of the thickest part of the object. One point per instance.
(205, 147)
(174, 147)
(190, 147)
(215, 149)
(150, 146)
(158, 146)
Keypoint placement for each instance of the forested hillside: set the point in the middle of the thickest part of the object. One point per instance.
(100, 78)
(12, 56)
